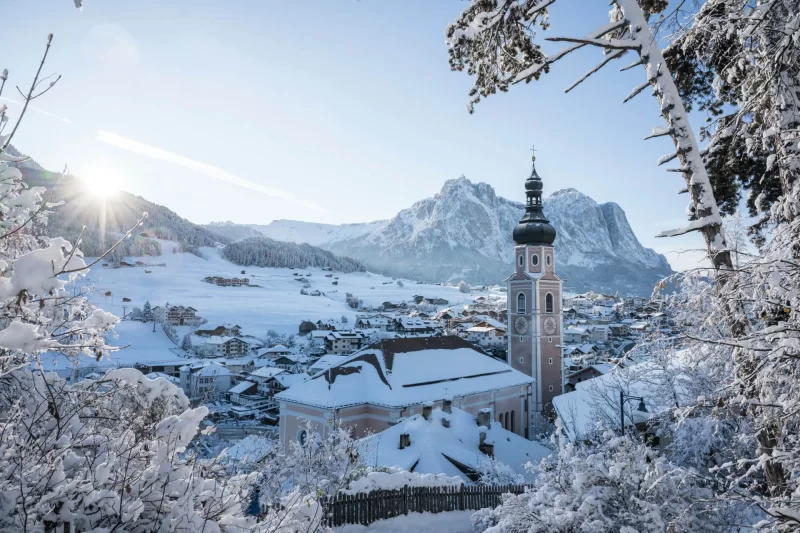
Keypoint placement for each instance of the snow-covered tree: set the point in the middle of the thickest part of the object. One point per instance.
(496, 42)
(187, 343)
(147, 312)
(613, 485)
(400, 283)
(463, 286)
(494, 472)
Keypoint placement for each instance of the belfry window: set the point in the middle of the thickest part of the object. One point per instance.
(534, 259)
(521, 304)
(548, 303)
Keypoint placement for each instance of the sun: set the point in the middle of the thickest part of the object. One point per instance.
(101, 181)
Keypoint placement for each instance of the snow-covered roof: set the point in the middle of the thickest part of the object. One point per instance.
(432, 444)
(242, 387)
(213, 369)
(221, 339)
(480, 329)
(279, 348)
(406, 371)
(287, 380)
(267, 372)
(575, 331)
(327, 361)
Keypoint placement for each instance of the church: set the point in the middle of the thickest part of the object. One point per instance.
(534, 303)
(378, 386)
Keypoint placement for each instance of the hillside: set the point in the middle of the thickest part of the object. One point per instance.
(266, 252)
(232, 231)
(107, 220)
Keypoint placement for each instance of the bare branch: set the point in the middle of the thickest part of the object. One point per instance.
(610, 57)
(636, 91)
(116, 244)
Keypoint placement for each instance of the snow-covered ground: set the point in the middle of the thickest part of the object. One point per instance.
(452, 522)
(275, 304)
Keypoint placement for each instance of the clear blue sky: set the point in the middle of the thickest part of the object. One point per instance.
(332, 111)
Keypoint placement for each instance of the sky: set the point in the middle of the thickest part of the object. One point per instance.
(324, 111)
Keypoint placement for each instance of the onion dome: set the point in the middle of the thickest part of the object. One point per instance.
(534, 228)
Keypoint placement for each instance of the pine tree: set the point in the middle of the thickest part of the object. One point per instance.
(147, 312)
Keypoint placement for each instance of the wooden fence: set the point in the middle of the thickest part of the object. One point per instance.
(366, 507)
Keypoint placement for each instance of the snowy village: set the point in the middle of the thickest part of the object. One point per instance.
(247, 285)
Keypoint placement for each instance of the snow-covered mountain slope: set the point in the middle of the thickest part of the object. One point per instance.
(315, 233)
(464, 232)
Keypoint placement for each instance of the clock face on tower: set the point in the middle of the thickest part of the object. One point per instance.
(549, 325)
(521, 325)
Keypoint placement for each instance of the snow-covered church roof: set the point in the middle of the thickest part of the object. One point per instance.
(434, 447)
(406, 371)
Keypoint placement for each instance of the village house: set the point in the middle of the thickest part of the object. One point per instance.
(408, 325)
(205, 381)
(343, 342)
(486, 336)
(375, 322)
(584, 374)
(227, 282)
(393, 379)
(229, 330)
(574, 335)
(264, 378)
(176, 315)
(222, 347)
(245, 394)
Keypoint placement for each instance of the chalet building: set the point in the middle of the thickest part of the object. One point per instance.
(223, 347)
(576, 335)
(245, 394)
(205, 381)
(408, 325)
(276, 351)
(371, 390)
(264, 378)
(376, 322)
(170, 368)
(227, 282)
(343, 342)
(225, 330)
(177, 315)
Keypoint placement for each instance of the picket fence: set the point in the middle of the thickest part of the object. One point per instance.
(366, 507)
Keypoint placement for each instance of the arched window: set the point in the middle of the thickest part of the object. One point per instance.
(549, 260)
(500, 419)
(506, 424)
(521, 304)
(534, 259)
(548, 303)
(513, 416)
(521, 260)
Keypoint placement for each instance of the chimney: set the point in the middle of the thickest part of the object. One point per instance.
(426, 411)
(405, 440)
(484, 418)
(447, 406)
(484, 447)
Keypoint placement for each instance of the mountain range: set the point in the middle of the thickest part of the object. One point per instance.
(464, 232)
(461, 233)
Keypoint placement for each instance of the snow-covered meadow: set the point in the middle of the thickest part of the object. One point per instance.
(274, 304)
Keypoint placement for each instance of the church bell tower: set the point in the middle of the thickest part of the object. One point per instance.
(534, 304)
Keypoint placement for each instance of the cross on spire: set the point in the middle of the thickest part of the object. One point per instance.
(533, 155)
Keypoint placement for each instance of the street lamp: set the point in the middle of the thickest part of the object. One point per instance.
(622, 399)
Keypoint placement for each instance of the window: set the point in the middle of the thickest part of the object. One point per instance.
(513, 416)
(551, 388)
(521, 360)
(506, 424)
(549, 339)
(548, 303)
(500, 419)
(534, 259)
(301, 435)
(521, 260)
(521, 304)
(550, 360)
(549, 260)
